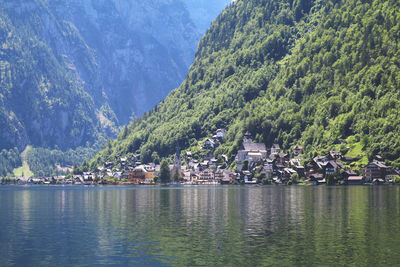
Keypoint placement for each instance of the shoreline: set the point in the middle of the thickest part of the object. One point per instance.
(205, 184)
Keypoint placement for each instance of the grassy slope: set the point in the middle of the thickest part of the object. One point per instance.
(24, 169)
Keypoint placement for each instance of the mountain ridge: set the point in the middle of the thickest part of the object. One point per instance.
(102, 55)
(73, 72)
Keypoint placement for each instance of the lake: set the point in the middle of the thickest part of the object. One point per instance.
(207, 226)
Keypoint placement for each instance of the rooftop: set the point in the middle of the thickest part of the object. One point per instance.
(355, 178)
(250, 146)
(276, 146)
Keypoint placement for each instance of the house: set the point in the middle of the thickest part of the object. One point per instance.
(355, 180)
(143, 174)
(375, 170)
(188, 175)
(123, 161)
(279, 167)
(330, 167)
(125, 175)
(318, 161)
(100, 170)
(18, 180)
(253, 152)
(269, 162)
(347, 173)
(78, 179)
(149, 173)
(135, 176)
(300, 170)
(349, 160)
(288, 172)
(275, 149)
(206, 176)
(327, 166)
(221, 133)
(254, 156)
(219, 175)
(197, 167)
(282, 158)
(213, 162)
(268, 171)
(117, 174)
(38, 180)
(59, 179)
(248, 177)
(209, 144)
(378, 181)
(228, 177)
(108, 164)
(204, 164)
(88, 178)
(297, 150)
(188, 157)
(294, 162)
(391, 175)
(316, 179)
(334, 155)
(109, 173)
(276, 180)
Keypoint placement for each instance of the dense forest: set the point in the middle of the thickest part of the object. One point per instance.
(41, 161)
(322, 74)
(9, 160)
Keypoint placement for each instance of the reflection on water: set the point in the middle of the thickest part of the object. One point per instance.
(241, 226)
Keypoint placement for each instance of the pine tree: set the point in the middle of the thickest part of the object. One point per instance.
(165, 175)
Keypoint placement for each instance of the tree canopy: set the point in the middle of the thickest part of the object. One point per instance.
(322, 74)
(165, 174)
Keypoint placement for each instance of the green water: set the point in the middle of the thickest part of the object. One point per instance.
(206, 226)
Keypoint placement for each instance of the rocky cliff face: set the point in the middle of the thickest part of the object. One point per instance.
(143, 49)
(72, 71)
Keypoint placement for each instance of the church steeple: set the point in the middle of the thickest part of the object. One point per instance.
(177, 160)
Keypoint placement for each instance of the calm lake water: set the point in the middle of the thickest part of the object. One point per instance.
(208, 226)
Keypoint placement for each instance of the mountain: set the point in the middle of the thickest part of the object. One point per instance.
(68, 66)
(143, 48)
(322, 74)
(72, 72)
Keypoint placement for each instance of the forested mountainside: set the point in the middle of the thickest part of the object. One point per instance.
(322, 74)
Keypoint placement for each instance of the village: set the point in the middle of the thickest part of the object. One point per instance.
(254, 165)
